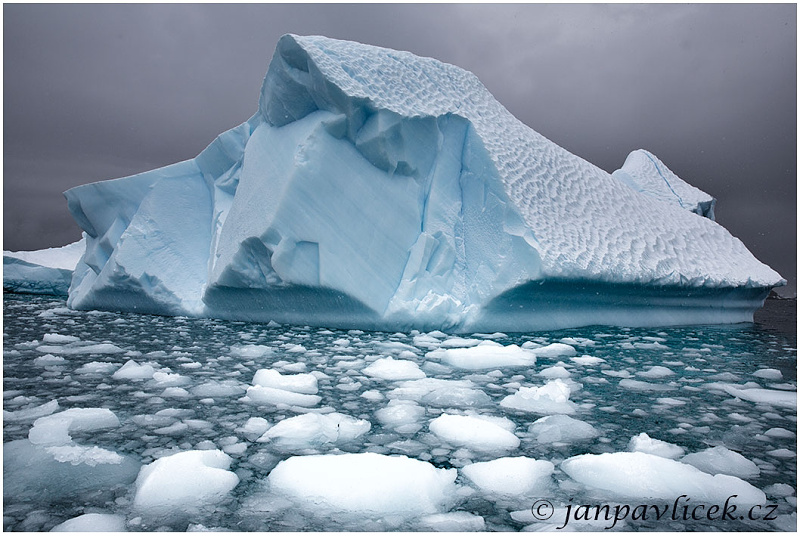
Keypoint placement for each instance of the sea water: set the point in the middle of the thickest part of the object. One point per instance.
(53, 353)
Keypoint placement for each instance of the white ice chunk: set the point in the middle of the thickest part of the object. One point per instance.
(552, 397)
(388, 368)
(769, 374)
(587, 360)
(561, 429)
(452, 522)
(296, 383)
(402, 415)
(441, 393)
(132, 370)
(473, 433)
(556, 349)
(49, 359)
(184, 483)
(30, 414)
(55, 429)
(770, 397)
(657, 447)
(269, 395)
(511, 476)
(92, 523)
(656, 372)
(722, 460)
(58, 338)
(251, 350)
(367, 484)
(639, 476)
(487, 355)
(313, 430)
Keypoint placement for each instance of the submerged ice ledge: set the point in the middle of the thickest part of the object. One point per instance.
(380, 190)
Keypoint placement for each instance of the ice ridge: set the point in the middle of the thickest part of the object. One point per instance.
(381, 190)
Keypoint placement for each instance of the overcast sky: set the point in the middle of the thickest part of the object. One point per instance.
(93, 92)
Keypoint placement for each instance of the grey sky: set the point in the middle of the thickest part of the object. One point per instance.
(93, 92)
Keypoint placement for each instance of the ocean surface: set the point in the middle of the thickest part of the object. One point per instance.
(197, 399)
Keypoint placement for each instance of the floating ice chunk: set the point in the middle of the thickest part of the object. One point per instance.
(645, 443)
(69, 471)
(721, 460)
(768, 374)
(552, 397)
(184, 483)
(779, 490)
(557, 349)
(254, 428)
(269, 395)
(313, 430)
(561, 429)
(169, 379)
(656, 372)
(30, 414)
(636, 385)
(103, 348)
(441, 393)
(486, 355)
(58, 338)
(459, 342)
(401, 415)
(92, 523)
(554, 372)
(452, 522)
(49, 359)
(474, 433)
(251, 350)
(296, 383)
(79, 454)
(388, 368)
(368, 484)
(175, 392)
(511, 476)
(97, 367)
(587, 360)
(782, 433)
(44, 271)
(55, 429)
(770, 397)
(218, 389)
(132, 370)
(781, 453)
(641, 476)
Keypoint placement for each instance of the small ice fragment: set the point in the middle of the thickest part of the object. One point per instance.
(722, 460)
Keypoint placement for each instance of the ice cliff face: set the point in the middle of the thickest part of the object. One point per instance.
(377, 189)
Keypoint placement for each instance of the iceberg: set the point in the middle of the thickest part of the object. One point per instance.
(45, 271)
(376, 189)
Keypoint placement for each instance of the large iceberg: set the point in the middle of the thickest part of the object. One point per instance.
(381, 190)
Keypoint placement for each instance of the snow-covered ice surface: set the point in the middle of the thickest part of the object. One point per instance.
(162, 423)
(449, 214)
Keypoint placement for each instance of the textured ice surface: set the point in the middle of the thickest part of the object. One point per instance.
(550, 398)
(474, 433)
(511, 476)
(722, 460)
(184, 483)
(368, 484)
(641, 475)
(377, 189)
(92, 523)
(46, 271)
(645, 443)
(93, 468)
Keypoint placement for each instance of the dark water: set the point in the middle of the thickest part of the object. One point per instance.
(688, 407)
